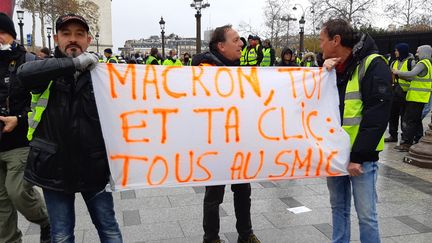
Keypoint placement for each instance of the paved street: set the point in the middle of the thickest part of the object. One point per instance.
(174, 215)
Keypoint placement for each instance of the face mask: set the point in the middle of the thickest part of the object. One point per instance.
(174, 57)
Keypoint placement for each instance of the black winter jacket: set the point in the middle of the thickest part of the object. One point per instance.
(376, 96)
(14, 99)
(67, 152)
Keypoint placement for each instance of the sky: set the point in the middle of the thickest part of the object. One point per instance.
(136, 19)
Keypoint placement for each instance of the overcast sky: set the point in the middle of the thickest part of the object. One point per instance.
(135, 19)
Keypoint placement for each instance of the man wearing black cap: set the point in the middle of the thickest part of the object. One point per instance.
(16, 194)
(253, 52)
(109, 56)
(67, 151)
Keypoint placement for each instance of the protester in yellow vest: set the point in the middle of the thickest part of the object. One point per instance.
(364, 85)
(172, 59)
(187, 60)
(268, 54)
(418, 95)
(153, 58)
(254, 54)
(243, 52)
(309, 60)
(404, 62)
(110, 58)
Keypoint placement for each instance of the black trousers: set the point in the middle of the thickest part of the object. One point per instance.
(397, 110)
(412, 122)
(242, 204)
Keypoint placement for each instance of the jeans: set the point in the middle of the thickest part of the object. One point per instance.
(242, 203)
(365, 198)
(61, 211)
(427, 108)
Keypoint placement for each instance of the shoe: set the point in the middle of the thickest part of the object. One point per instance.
(252, 239)
(45, 234)
(390, 139)
(403, 147)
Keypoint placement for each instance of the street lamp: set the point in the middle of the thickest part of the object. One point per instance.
(288, 19)
(97, 42)
(302, 24)
(162, 26)
(198, 5)
(20, 14)
(49, 29)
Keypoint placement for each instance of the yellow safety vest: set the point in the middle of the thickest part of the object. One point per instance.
(403, 68)
(150, 60)
(252, 56)
(39, 103)
(352, 115)
(421, 87)
(112, 58)
(243, 57)
(266, 61)
(168, 62)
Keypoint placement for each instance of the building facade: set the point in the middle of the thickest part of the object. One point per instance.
(105, 27)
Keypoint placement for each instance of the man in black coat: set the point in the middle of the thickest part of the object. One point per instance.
(225, 50)
(16, 194)
(67, 150)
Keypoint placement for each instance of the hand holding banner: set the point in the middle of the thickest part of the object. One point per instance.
(172, 126)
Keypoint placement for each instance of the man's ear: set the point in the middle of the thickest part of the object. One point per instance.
(337, 39)
(55, 39)
(221, 46)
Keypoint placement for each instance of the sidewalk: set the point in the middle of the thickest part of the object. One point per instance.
(174, 215)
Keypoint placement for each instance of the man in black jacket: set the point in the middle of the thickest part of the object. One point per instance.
(67, 150)
(365, 93)
(225, 50)
(16, 194)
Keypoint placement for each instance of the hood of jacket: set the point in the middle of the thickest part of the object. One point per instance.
(424, 52)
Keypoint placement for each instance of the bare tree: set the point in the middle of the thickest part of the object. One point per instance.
(354, 11)
(408, 12)
(273, 13)
(31, 6)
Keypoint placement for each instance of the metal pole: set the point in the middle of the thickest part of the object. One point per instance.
(198, 32)
(163, 44)
(21, 24)
(97, 45)
(49, 42)
(301, 40)
(287, 44)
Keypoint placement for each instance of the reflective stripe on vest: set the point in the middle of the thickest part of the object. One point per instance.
(421, 87)
(39, 102)
(403, 68)
(266, 61)
(352, 115)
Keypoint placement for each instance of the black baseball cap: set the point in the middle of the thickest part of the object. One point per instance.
(64, 19)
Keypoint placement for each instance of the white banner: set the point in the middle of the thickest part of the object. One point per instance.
(174, 126)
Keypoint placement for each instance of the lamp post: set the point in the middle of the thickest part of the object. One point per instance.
(97, 42)
(302, 24)
(49, 29)
(288, 19)
(162, 26)
(198, 5)
(20, 14)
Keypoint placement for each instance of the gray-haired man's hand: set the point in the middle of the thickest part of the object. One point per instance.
(85, 61)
